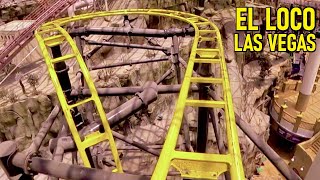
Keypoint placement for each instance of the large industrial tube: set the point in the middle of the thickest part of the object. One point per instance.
(309, 77)
(132, 32)
(75, 172)
(62, 144)
(149, 95)
(120, 113)
(66, 171)
(15, 163)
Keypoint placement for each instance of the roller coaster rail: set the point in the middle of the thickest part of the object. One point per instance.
(189, 164)
(45, 11)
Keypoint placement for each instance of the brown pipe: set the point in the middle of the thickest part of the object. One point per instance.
(96, 49)
(144, 98)
(17, 162)
(45, 127)
(214, 121)
(68, 143)
(275, 159)
(127, 31)
(186, 133)
(162, 89)
(118, 114)
(136, 144)
(129, 63)
(75, 172)
(175, 49)
(158, 48)
(165, 75)
(62, 144)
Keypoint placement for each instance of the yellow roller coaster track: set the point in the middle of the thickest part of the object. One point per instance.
(189, 164)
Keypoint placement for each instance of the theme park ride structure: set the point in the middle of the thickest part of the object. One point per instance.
(189, 164)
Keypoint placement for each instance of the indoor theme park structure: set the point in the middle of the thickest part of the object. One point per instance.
(107, 89)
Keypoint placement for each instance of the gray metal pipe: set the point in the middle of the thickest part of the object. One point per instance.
(144, 98)
(45, 127)
(75, 172)
(128, 31)
(162, 89)
(158, 48)
(214, 121)
(120, 113)
(68, 144)
(129, 63)
(175, 54)
(136, 144)
(96, 49)
(62, 144)
(275, 159)
(17, 162)
(165, 75)
(186, 134)
(184, 64)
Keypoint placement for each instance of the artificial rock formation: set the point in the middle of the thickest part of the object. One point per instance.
(22, 120)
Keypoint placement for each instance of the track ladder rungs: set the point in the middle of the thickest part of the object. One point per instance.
(193, 19)
(206, 23)
(63, 58)
(211, 61)
(93, 139)
(204, 38)
(207, 35)
(54, 40)
(80, 103)
(55, 37)
(207, 31)
(220, 158)
(210, 80)
(208, 53)
(205, 103)
(208, 50)
(201, 165)
(48, 31)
